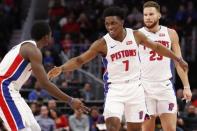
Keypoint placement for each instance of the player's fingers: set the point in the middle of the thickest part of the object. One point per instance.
(85, 109)
(183, 99)
(188, 97)
(49, 76)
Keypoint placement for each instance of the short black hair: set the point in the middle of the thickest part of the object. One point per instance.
(39, 30)
(152, 4)
(114, 11)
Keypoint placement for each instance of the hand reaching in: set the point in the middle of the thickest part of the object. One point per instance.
(187, 94)
(76, 104)
(54, 72)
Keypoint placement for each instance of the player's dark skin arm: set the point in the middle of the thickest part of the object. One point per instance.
(33, 54)
(98, 47)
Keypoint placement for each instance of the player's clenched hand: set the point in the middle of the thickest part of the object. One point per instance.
(76, 104)
(54, 72)
(187, 94)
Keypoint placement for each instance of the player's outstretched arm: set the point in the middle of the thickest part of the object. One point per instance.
(78, 61)
(159, 48)
(33, 54)
(183, 74)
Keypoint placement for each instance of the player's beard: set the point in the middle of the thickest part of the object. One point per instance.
(152, 25)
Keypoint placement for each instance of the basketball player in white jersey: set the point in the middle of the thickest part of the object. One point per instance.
(156, 71)
(123, 90)
(15, 69)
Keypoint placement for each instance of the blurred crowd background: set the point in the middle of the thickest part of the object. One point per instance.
(75, 25)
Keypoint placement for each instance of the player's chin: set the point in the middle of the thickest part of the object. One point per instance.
(148, 25)
(113, 35)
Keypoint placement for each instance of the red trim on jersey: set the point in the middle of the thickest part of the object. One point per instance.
(4, 107)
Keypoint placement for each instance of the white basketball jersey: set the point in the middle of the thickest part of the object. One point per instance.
(155, 67)
(14, 69)
(122, 60)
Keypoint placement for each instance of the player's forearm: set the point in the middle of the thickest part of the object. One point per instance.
(162, 50)
(55, 92)
(183, 76)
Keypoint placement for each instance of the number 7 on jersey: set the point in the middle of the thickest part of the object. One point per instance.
(126, 63)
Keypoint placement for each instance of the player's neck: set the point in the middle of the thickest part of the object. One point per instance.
(122, 36)
(154, 29)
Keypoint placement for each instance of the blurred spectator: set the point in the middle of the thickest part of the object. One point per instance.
(38, 93)
(52, 104)
(52, 3)
(86, 92)
(66, 43)
(135, 19)
(56, 8)
(79, 121)
(84, 23)
(45, 122)
(83, 45)
(190, 118)
(95, 118)
(165, 18)
(181, 15)
(191, 14)
(35, 108)
(180, 123)
(48, 59)
(71, 26)
(108, 2)
(194, 100)
(180, 102)
(60, 119)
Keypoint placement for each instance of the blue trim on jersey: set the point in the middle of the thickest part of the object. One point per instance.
(105, 62)
(106, 87)
(139, 55)
(8, 97)
(105, 76)
(172, 69)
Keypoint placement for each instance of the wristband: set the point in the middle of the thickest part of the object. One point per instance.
(179, 59)
(187, 87)
(70, 101)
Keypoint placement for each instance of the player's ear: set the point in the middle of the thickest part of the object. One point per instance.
(159, 15)
(122, 21)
